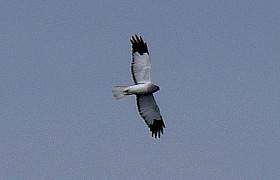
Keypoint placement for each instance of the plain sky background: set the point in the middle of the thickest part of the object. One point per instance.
(217, 63)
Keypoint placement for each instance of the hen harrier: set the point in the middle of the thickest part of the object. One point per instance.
(143, 88)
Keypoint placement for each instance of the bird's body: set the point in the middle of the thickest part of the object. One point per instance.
(143, 88)
(139, 89)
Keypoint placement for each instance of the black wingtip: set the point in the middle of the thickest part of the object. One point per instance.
(138, 45)
(157, 128)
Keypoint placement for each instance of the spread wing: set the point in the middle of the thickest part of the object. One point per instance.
(150, 112)
(141, 64)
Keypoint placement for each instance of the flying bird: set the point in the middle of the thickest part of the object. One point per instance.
(143, 88)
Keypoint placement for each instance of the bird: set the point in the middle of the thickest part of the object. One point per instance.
(143, 87)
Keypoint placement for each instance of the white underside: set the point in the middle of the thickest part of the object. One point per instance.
(139, 89)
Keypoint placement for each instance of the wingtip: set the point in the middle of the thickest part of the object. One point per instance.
(138, 44)
(157, 128)
(136, 37)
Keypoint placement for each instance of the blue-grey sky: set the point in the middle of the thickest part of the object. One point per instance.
(217, 63)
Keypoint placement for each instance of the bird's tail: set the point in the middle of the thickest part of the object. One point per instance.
(119, 91)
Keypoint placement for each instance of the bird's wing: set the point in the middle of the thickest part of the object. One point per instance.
(141, 64)
(150, 112)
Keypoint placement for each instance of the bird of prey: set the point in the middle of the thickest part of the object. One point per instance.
(143, 88)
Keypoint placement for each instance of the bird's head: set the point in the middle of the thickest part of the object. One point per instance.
(152, 88)
(155, 88)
